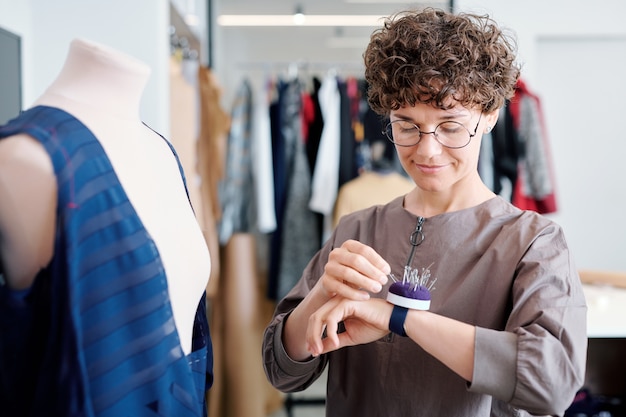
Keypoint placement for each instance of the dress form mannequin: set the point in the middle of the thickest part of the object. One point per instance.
(102, 88)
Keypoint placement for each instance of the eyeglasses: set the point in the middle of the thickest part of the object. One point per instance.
(450, 134)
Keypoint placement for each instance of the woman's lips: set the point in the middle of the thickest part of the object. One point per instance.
(430, 169)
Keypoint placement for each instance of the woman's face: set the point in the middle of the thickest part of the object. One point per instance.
(432, 166)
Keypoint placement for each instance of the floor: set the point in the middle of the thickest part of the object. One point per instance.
(315, 392)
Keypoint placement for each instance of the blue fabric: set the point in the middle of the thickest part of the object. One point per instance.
(95, 334)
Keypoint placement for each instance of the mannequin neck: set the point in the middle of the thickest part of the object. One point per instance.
(99, 79)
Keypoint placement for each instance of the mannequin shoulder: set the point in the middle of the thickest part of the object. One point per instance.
(24, 152)
(28, 198)
(24, 166)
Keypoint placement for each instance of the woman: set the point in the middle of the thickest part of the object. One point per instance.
(505, 334)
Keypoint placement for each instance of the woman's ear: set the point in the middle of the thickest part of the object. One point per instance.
(491, 120)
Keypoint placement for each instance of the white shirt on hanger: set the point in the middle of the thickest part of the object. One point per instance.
(325, 182)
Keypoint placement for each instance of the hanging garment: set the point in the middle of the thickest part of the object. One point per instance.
(369, 189)
(313, 122)
(325, 182)
(211, 151)
(95, 334)
(348, 91)
(315, 126)
(236, 190)
(236, 306)
(503, 150)
(214, 126)
(261, 148)
(515, 160)
(373, 137)
(534, 188)
(379, 181)
(296, 238)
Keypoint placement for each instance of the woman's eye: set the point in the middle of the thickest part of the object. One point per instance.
(450, 128)
(407, 127)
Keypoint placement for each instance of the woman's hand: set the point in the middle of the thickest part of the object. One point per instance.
(364, 322)
(353, 271)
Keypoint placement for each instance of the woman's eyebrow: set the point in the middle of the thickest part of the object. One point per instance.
(445, 117)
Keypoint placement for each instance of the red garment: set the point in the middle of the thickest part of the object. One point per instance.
(529, 171)
(308, 114)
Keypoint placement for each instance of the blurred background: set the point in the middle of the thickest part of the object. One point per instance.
(573, 54)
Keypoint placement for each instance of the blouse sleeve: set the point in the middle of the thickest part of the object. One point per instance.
(538, 362)
(284, 373)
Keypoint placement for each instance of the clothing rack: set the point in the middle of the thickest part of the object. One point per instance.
(293, 68)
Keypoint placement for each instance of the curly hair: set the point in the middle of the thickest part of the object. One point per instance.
(432, 56)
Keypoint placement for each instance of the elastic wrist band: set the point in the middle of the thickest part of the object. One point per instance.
(396, 321)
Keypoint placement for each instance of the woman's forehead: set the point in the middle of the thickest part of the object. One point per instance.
(454, 111)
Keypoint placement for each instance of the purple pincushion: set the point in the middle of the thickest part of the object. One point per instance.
(409, 290)
(413, 291)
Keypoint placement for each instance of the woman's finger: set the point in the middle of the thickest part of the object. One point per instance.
(376, 265)
(324, 321)
(352, 271)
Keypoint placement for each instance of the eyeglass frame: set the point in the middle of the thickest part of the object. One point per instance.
(420, 133)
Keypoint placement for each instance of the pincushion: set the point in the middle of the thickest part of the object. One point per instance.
(413, 291)
(407, 295)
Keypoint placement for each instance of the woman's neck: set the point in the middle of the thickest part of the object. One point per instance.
(99, 79)
(428, 204)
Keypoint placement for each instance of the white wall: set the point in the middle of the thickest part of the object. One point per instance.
(573, 54)
(137, 27)
(533, 19)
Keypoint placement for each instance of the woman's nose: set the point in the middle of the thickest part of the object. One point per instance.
(428, 144)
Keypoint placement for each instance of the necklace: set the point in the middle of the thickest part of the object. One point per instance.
(416, 239)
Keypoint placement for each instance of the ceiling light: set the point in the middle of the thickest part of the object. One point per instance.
(388, 1)
(309, 20)
(298, 16)
(299, 19)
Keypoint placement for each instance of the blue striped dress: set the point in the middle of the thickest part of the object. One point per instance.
(95, 335)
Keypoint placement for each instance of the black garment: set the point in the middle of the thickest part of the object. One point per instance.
(373, 126)
(280, 178)
(315, 127)
(296, 238)
(507, 151)
(347, 151)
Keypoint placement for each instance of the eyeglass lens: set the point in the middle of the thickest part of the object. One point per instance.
(450, 134)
